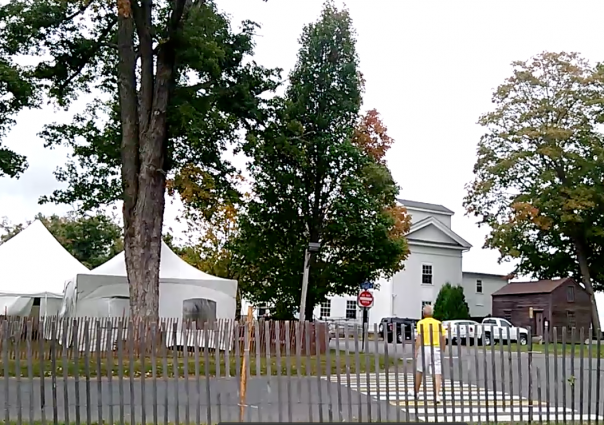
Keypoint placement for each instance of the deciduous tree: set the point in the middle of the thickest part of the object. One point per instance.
(313, 183)
(538, 177)
(173, 84)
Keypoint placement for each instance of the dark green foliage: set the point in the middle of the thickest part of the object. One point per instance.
(217, 90)
(15, 93)
(451, 304)
(311, 183)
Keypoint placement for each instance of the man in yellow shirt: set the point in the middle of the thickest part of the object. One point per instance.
(429, 334)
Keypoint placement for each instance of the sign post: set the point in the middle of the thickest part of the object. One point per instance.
(365, 301)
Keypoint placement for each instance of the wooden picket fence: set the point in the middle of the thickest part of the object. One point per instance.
(93, 370)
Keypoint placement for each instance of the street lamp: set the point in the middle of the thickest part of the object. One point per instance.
(313, 247)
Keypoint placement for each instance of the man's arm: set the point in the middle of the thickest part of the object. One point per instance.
(417, 343)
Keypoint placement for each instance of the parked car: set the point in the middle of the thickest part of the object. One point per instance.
(469, 331)
(495, 329)
(403, 327)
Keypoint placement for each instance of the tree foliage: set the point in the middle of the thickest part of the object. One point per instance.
(16, 93)
(538, 177)
(208, 246)
(172, 85)
(451, 303)
(91, 239)
(318, 176)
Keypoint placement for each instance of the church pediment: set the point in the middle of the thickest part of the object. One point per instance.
(433, 232)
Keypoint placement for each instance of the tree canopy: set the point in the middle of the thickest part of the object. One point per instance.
(451, 303)
(172, 84)
(538, 176)
(16, 93)
(91, 239)
(318, 176)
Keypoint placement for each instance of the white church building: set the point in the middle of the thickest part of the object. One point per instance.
(435, 258)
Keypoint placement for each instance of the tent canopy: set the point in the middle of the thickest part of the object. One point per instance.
(105, 290)
(172, 267)
(34, 264)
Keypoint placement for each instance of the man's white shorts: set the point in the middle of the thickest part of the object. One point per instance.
(428, 360)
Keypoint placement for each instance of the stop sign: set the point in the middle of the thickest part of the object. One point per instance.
(365, 299)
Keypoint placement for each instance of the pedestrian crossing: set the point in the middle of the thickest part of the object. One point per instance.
(460, 401)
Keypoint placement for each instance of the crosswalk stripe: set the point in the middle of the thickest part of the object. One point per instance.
(516, 410)
(447, 397)
(479, 404)
(482, 403)
(500, 418)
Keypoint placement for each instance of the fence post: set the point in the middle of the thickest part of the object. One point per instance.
(244, 366)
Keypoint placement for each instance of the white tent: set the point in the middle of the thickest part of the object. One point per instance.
(33, 264)
(184, 292)
(104, 291)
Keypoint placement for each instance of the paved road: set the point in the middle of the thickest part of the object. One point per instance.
(579, 384)
(305, 399)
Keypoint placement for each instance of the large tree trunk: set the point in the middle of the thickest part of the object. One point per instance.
(144, 146)
(143, 242)
(586, 279)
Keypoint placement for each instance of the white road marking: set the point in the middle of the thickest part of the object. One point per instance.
(478, 404)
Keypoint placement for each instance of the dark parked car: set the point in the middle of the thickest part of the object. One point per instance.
(387, 328)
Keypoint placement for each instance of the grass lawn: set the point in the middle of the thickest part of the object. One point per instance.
(309, 366)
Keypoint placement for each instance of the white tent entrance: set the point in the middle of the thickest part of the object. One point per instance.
(185, 293)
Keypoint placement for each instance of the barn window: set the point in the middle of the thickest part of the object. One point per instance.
(570, 294)
(427, 274)
(570, 316)
(198, 311)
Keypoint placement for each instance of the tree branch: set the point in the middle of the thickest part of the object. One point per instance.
(78, 70)
(78, 12)
(142, 18)
(128, 109)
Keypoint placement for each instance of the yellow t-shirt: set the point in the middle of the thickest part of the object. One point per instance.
(423, 329)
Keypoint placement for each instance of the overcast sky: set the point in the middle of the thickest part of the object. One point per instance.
(430, 69)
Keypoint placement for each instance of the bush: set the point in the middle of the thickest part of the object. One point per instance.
(451, 304)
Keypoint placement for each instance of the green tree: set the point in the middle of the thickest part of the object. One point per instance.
(91, 239)
(451, 303)
(173, 86)
(538, 177)
(313, 183)
(208, 244)
(16, 93)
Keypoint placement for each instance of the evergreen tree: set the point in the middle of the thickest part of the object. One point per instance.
(451, 304)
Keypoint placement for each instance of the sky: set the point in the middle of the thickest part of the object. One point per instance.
(430, 68)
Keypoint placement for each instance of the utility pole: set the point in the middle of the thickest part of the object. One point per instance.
(313, 247)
